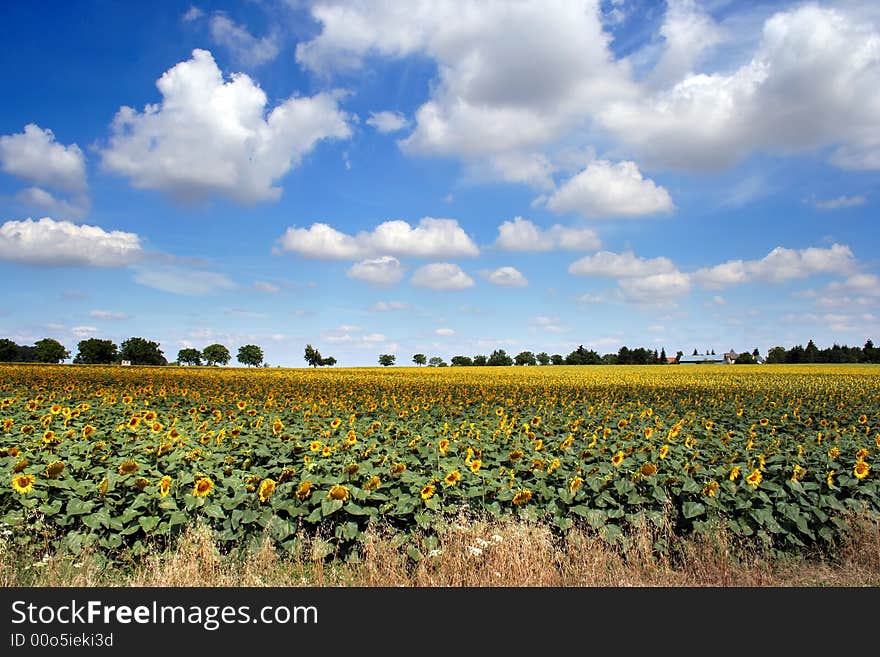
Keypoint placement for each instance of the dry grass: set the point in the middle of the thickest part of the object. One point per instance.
(471, 553)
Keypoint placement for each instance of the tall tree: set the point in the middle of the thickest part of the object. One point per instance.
(435, 361)
(557, 359)
(189, 356)
(480, 360)
(49, 350)
(662, 357)
(96, 352)
(141, 351)
(419, 359)
(461, 361)
(215, 354)
(542, 358)
(525, 358)
(776, 355)
(250, 355)
(312, 356)
(386, 359)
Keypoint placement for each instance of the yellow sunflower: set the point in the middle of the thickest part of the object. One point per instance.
(575, 484)
(648, 469)
(452, 478)
(617, 459)
(861, 469)
(664, 450)
(335, 422)
(755, 478)
(522, 497)
(338, 492)
(304, 490)
(127, 467)
(373, 484)
(203, 486)
(23, 483)
(428, 492)
(54, 469)
(164, 486)
(475, 465)
(267, 486)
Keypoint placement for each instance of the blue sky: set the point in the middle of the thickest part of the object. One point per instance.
(441, 177)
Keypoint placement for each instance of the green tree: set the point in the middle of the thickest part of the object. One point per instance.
(215, 354)
(525, 358)
(8, 351)
(313, 356)
(96, 352)
(327, 361)
(557, 359)
(661, 359)
(386, 359)
(745, 358)
(461, 361)
(543, 358)
(436, 361)
(419, 359)
(141, 351)
(776, 355)
(189, 356)
(250, 355)
(48, 350)
(499, 358)
(480, 360)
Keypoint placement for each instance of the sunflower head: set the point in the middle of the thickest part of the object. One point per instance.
(522, 497)
(304, 490)
(338, 492)
(617, 459)
(452, 478)
(54, 469)
(203, 486)
(755, 478)
(127, 467)
(575, 484)
(861, 469)
(373, 483)
(164, 486)
(648, 469)
(335, 422)
(23, 483)
(428, 492)
(267, 487)
(664, 450)
(475, 465)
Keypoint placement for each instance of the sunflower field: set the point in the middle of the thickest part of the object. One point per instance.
(121, 459)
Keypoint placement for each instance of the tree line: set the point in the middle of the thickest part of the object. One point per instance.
(134, 350)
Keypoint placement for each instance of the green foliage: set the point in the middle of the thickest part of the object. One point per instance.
(8, 351)
(543, 358)
(525, 358)
(386, 359)
(498, 358)
(141, 351)
(419, 359)
(49, 350)
(250, 355)
(189, 356)
(216, 354)
(461, 361)
(95, 351)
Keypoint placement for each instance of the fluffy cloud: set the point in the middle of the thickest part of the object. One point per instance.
(210, 136)
(523, 235)
(605, 189)
(513, 77)
(62, 243)
(179, 280)
(813, 81)
(445, 332)
(385, 270)
(244, 46)
(620, 265)
(688, 32)
(655, 288)
(35, 156)
(386, 122)
(778, 266)
(430, 238)
(506, 277)
(441, 276)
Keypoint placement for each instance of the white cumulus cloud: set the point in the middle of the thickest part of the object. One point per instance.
(430, 238)
(506, 277)
(384, 270)
(36, 157)
(605, 189)
(386, 122)
(778, 266)
(620, 265)
(523, 235)
(441, 276)
(245, 47)
(63, 243)
(212, 136)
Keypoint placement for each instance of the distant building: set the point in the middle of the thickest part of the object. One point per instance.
(731, 356)
(704, 358)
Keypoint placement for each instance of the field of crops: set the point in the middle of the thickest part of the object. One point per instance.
(123, 458)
